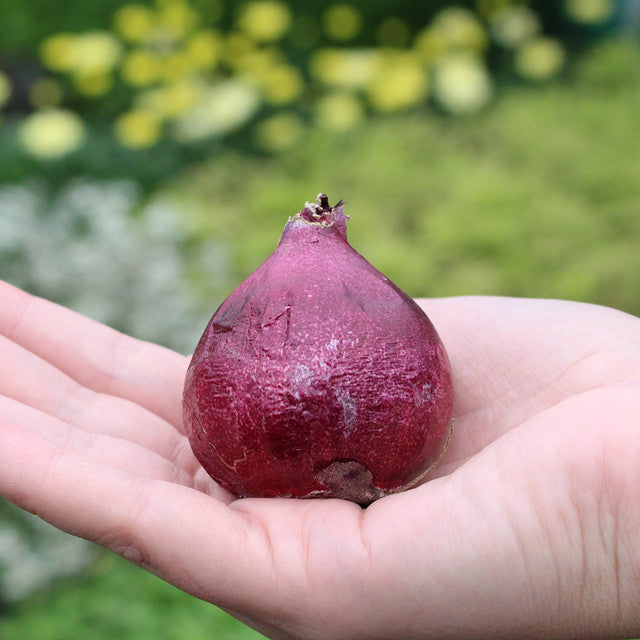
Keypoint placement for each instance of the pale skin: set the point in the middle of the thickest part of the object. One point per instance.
(529, 528)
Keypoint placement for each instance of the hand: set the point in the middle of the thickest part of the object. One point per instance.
(528, 528)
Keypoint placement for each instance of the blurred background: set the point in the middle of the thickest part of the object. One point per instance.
(151, 152)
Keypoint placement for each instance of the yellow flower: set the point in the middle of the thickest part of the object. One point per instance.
(339, 112)
(140, 68)
(236, 48)
(97, 52)
(5, 89)
(134, 22)
(138, 129)
(51, 133)
(265, 20)
(461, 83)
(282, 84)
(58, 52)
(350, 69)
(221, 109)
(342, 22)
(90, 52)
(172, 100)
(203, 48)
(177, 17)
(400, 82)
(540, 59)
(176, 65)
(590, 11)
(431, 44)
(279, 132)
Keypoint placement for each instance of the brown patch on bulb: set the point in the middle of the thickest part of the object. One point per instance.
(350, 480)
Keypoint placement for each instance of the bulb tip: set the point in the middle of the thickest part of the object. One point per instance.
(320, 212)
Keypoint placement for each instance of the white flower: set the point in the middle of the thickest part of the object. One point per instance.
(83, 248)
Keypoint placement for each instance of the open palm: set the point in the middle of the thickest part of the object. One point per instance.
(529, 527)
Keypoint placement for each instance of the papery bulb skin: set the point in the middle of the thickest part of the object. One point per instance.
(317, 376)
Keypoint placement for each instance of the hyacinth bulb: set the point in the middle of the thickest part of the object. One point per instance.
(317, 376)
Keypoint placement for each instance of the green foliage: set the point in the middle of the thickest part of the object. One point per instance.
(536, 197)
(32, 21)
(117, 600)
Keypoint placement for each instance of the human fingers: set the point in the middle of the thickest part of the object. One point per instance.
(102, 449)
(35, 382)
(189, 538)
(94, 355)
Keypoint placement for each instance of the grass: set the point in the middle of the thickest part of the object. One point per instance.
(117, 600)
(538, 196)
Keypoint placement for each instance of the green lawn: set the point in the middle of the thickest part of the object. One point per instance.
(116, 600)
